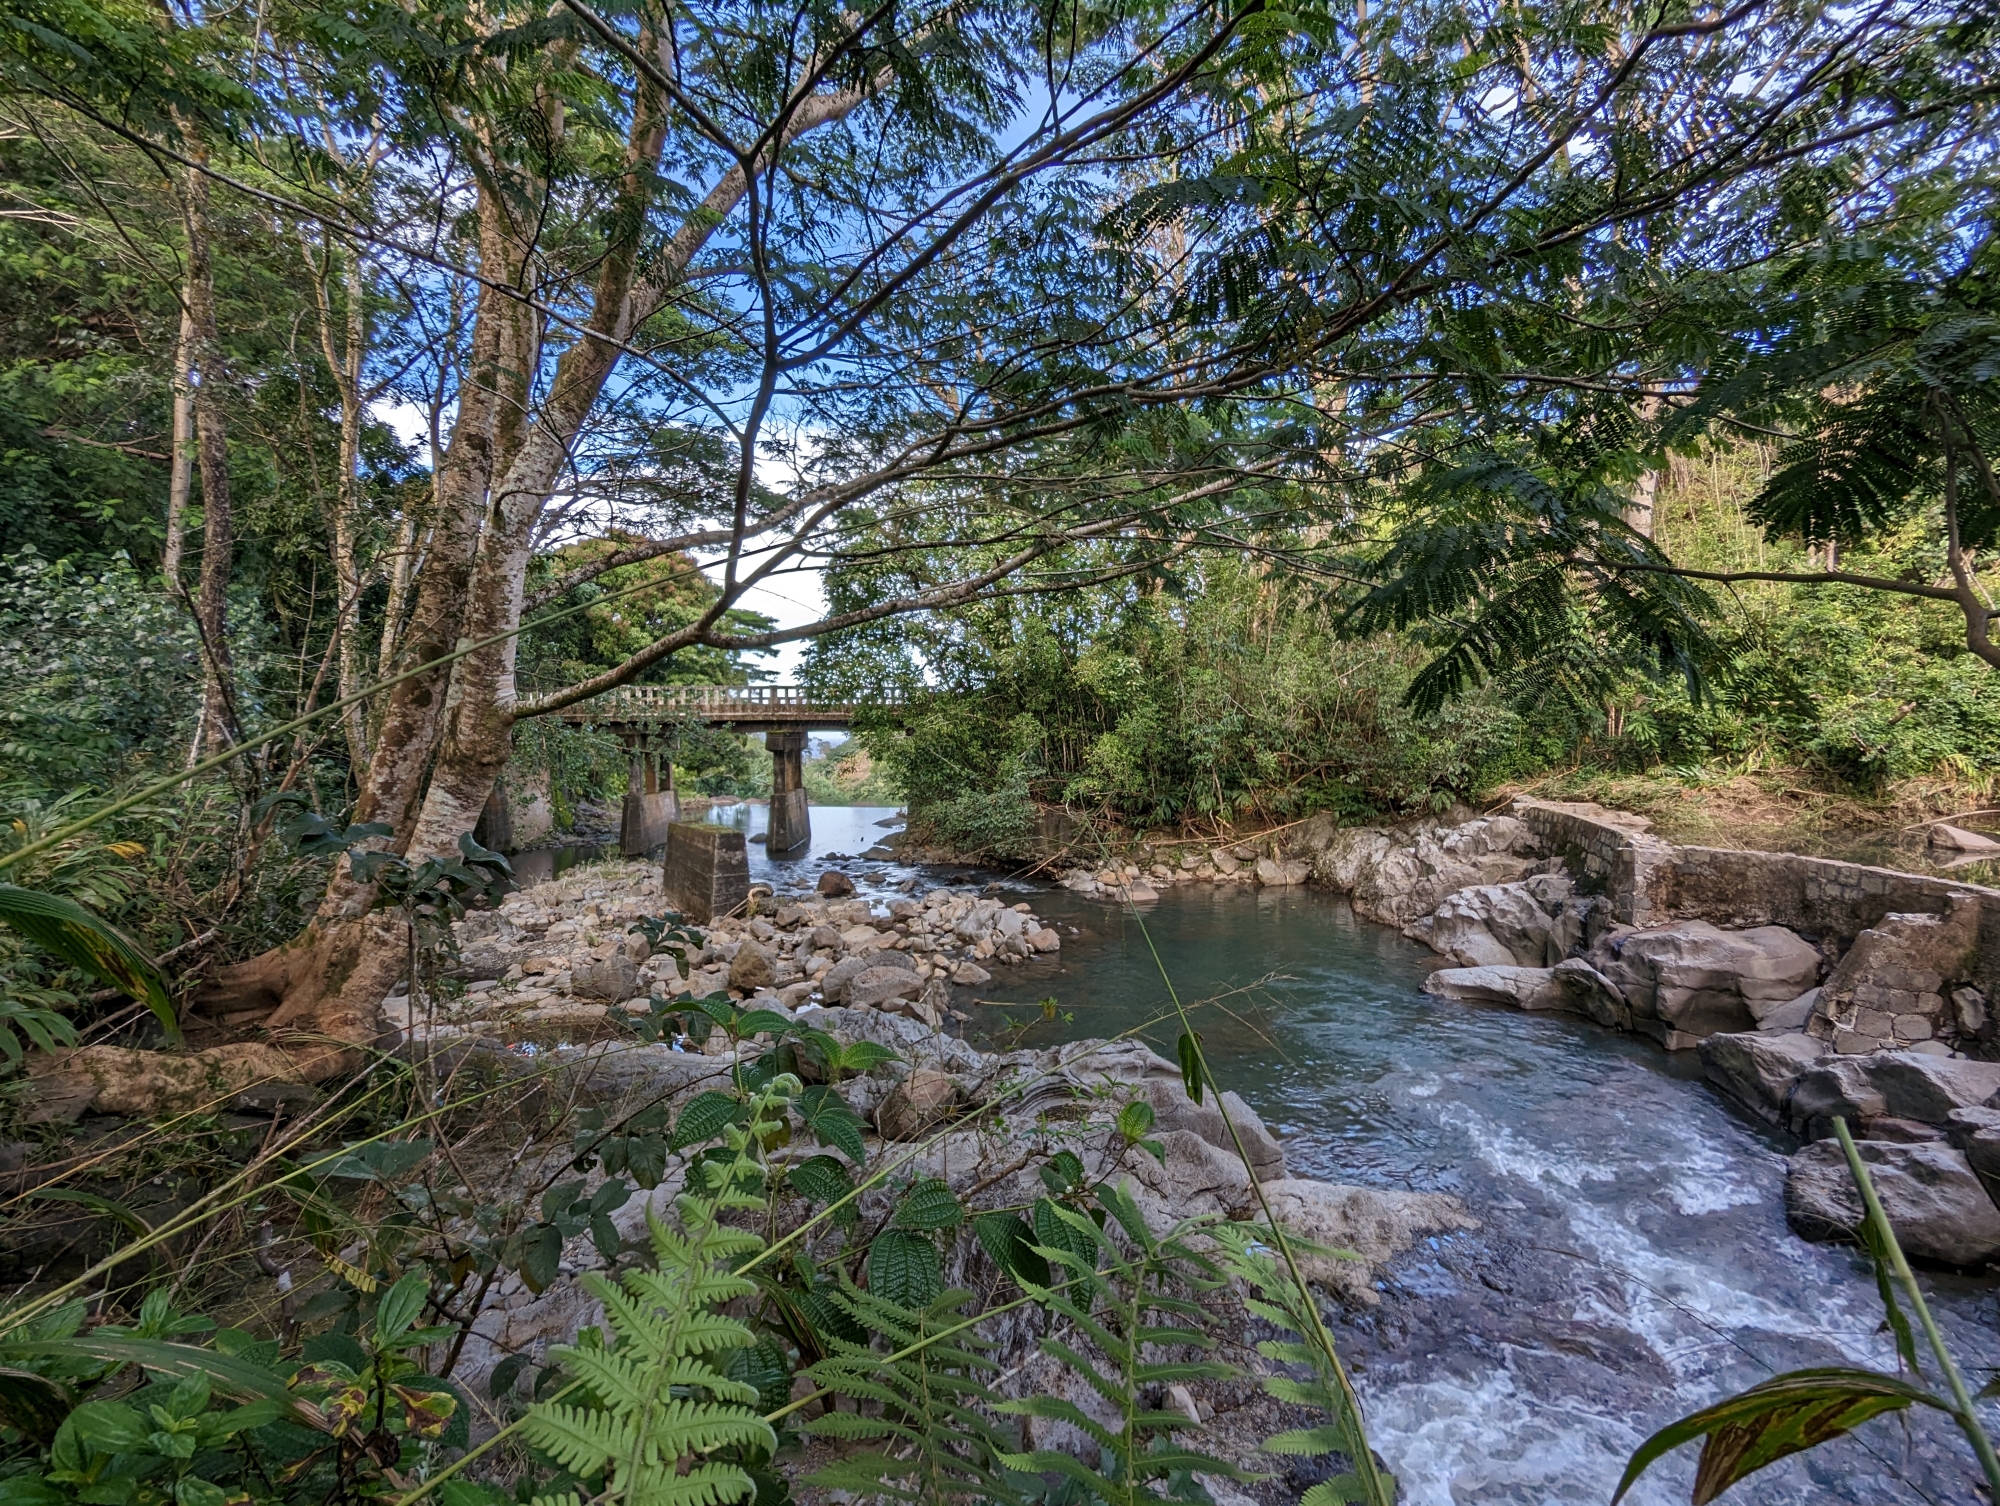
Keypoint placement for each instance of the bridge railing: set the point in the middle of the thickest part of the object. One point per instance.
(723, 703)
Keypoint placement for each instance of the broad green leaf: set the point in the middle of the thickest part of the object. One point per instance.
(928, 1204)
(820, 1179)
(704, 1119)
(1008, 1239)
(903, 1269)
(832, 1121)
(92, 944)
(1785, 1415)
(1135, 1119)
(401, 1306)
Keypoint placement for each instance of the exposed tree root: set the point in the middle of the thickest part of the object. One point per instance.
(318, 999)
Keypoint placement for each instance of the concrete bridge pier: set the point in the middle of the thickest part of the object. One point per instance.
(791, 826)
(649, 810)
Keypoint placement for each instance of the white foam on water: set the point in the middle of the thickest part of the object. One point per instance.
(1455, 1442)
(1515, 1156)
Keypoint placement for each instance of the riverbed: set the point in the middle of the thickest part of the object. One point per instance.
(1634, 1261)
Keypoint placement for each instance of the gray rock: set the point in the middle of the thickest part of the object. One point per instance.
(834, 884)
(1503, 925)
(833, 987)
(1174, 1110)
(1891, 1085)
(751, 968)
(970, 973)
(1587, 991)
(1691, 979)
(924, 1098)
(1933, 1200)
(1948, 838)
(611, 981)
(1977, 1133)
(1523, 987)
(1759, 1070)
(878, 985)
(1785, 1017)
(1369, 1223)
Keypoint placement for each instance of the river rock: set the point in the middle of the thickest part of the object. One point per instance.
(1371, 1223)
(1523, 987)
(833, 985)
(970, 974)
(1504, 925)
(751, 968)
(1977, 1133)
(1760, 1070)
(1786, 1017)
(915, 1104)
(1948, 838)
(1933, 1200)
(1890, 1085)
(1398, 874)
(1691, 979)
(1890, 987)
(1274, 873)
(1045, 939)
(612, 980)
(834, 884)
(1586, 991)
(878, 985)
(1174, 1110)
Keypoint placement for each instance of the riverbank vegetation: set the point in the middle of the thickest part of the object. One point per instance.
(1208, 413)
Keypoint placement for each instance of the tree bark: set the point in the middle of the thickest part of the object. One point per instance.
(180, 476)
(208, 375)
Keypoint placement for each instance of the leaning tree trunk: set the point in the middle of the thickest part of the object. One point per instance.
(319, 996)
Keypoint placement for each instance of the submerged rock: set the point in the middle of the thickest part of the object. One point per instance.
(1359, 1226)
(1932, 1198)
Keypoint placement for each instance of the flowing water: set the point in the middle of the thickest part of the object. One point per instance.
(1634, 1261)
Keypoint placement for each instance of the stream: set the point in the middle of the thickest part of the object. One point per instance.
(1634, 1262)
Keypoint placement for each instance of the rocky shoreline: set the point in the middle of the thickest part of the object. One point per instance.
(540, 978)
(1811, 989)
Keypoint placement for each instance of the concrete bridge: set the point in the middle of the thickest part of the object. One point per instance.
(644, 718)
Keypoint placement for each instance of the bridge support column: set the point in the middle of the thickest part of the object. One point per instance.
(648, 810)
(791, 826)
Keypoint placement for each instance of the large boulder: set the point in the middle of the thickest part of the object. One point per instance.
(834, 884)
(1890, 1085)
(1523, 987)
(1977, 1133)
(610, 981)
(878, 985)
(923, 1099)
(1505, 925)
(1759, 1070)
(1363, 1222)
(1586, 991)
(1173, 1110)
(1399, 874)
(1890, 988)
(1691, 979)
(1933, 1200)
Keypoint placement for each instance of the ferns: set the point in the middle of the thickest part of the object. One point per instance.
(1134, 1309)
(656, 1405)
(932, 1406)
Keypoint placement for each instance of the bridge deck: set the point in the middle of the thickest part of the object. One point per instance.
(746, 706)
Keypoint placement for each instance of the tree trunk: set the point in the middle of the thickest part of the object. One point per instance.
(208, 377)
(180, 477)
(344, 360)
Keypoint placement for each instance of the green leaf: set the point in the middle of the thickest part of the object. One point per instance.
(1190, 1054)
(761, 1022)
(832, 1121)
(903, 1269)
(1063, 1172)
(1785, 1415)
(1134, 1120)
(92, 944)
(400, 1307)
(704, 1119)
(865, 1056)
(928, 1204)
(820, 1179)
(1054, 1232)
(505, 1374)
(239, 1379)
(1008, 1239)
